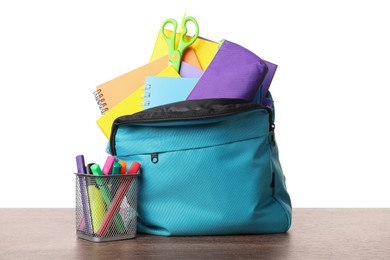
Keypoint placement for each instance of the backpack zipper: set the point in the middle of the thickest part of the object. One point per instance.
(154, 157)
(165, 115)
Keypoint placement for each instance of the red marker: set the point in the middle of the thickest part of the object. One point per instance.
(134, 168)
(116, 202)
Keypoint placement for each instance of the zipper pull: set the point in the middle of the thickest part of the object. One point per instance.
(273, 134)
(154, 158)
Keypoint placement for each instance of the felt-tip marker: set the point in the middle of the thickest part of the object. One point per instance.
(124, 165)
(108, 165)
(116, 168)
(107, 196)
(84, 195)
(116, 202)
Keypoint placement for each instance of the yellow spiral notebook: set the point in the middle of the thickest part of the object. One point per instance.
(130, 105)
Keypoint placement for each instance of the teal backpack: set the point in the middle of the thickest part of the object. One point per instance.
(209, 167)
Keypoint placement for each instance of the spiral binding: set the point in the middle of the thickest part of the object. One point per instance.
(100, 101)
(146, 95)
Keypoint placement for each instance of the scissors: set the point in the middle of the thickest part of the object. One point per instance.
(175, 55)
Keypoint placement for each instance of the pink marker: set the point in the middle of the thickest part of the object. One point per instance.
(108, 165)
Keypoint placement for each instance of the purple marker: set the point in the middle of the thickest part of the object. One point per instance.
(80, 164)
(84, 195)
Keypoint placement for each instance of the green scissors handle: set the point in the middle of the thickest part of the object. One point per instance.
(175, 55)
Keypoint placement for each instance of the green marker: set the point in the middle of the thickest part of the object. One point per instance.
(107, 196)
(116, 169)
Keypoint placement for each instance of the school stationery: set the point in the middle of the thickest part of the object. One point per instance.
(175, 54)
(94, 195)
(130, 105)
(267, 83)
(189, 71)
(262, 94)
(189, 56)
(109, 94)
(112, 218)
(210, 167)
(88, 168)
(210, 163)
(116, 168)
(98, 206)
(204, 49)
(84, 195)
(112, 92)
(107, 197)
(161, 49)
(235, 72)
(120, 194)
(163, 90)
(108, 165)
(123, 164)
(81, 225)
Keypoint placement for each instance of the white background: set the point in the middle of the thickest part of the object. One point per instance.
(331, 89)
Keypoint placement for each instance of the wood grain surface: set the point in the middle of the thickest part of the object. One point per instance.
(315, 234)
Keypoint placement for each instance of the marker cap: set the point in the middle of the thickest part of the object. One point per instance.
(108, 165)
(96, 170)
(80, 164)
(124, 165)
(116, 168)
(134, 168)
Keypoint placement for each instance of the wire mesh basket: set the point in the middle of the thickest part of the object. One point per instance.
(106, 207)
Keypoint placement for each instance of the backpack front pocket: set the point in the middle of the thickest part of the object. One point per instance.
(204, 191)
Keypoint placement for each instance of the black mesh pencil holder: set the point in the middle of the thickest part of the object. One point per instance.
(106, 207)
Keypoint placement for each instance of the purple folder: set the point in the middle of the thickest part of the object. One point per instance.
(266, 84)
(235, 72)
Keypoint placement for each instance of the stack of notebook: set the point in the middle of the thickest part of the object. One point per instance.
(208, 70)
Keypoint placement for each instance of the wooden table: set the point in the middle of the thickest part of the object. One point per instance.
(315, 234)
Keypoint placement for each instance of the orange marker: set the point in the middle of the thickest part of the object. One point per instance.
(123, 169)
